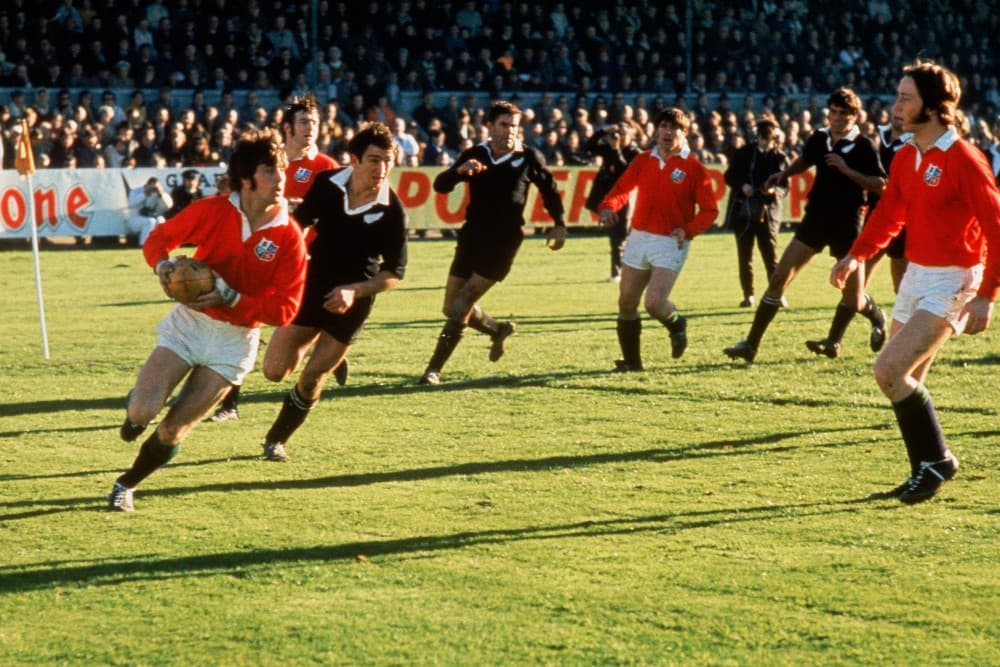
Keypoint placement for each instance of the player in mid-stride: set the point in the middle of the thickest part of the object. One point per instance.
(300, 130)
(847, 166)
(359, 251)
(259, 259)
(941, 188)
(498, 172)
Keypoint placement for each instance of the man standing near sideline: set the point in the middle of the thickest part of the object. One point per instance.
(941, 188)
(359, 250)
(498, 172)
(671, 183)
(259, 260)
(847, 165)
(300, 130)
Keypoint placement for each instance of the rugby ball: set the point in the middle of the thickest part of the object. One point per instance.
(189, 279)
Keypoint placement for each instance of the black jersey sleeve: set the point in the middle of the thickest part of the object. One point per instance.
(394, 234)
(449, 178)
(868, 160)
(540, 175)
(815, 148)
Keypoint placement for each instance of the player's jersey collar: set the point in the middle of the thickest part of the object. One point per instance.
(518, 148)
(683, 154)
(885, 136)
(340, 179)
(850, 136)
(308, 155)
(279, 220)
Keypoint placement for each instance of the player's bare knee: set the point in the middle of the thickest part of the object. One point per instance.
(143, 411)
(887, 375)
(276, 372)
(658, 308)
(310, 386)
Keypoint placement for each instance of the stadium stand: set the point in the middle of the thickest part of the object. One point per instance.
(173, 82)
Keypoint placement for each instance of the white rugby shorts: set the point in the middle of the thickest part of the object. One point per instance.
(644, 251)
(939, 290)
(200, 340)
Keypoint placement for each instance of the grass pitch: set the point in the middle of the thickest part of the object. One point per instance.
(539, 510)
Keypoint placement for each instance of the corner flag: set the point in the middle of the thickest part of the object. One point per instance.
(24, 162)
(24, 157)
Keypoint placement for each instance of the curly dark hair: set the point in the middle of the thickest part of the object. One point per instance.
(255, 147)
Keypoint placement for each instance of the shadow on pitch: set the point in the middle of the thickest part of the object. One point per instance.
(62, 405)
(118, 471)
(44, 575)
(747, 446)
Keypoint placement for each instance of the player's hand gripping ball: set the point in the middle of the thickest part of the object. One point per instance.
(189, 279)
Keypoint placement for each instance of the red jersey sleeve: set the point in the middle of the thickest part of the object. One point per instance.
(889, 215)
(172, 234)
(708, 206)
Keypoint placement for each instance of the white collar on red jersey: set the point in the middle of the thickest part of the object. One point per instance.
(309, 154)
(683, 154)
(947, 140)
(340, 178)
(279, 220)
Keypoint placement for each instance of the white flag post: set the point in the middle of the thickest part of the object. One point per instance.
(38, 268)
(24, 162)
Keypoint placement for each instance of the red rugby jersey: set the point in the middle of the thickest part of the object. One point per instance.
(301, 172)
(668, 192)
(267, 267)
(949, 204)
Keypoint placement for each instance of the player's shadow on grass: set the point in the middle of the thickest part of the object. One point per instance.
(962, 362)
(18, 578)
(61, 405)
(118, 471)
(37, 431)
(711, 449)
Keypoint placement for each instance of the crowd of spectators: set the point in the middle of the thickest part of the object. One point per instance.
(98, 79)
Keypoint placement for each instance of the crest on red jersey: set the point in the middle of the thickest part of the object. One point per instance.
(266, 250)
(677, 175)
(932, 176)
(302, 175)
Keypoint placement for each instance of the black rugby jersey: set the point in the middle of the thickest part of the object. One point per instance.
(351, 245)
(832, 191)
(497, 196)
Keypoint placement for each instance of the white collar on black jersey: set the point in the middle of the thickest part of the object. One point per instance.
(518, 148)
(279, 220)
(885, 135)
(850, 136)
(340, 178)
(683, 154)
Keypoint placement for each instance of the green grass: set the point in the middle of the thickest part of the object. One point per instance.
(535, 511)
